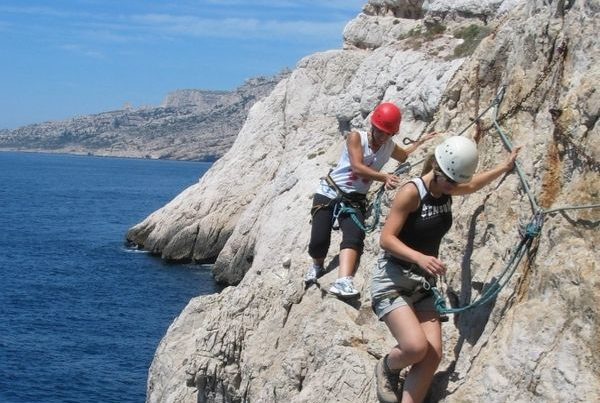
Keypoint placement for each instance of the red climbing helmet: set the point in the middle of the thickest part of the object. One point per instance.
(386, 117)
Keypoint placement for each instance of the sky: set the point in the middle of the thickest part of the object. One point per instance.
(65, 58)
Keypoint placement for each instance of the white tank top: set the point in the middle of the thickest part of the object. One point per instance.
(343, 176)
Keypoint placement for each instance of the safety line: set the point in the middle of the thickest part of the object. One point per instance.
(532, 230)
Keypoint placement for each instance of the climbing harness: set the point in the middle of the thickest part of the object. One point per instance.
(355, 207)
(343, 203)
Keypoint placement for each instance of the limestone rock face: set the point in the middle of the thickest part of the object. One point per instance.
(189, 125)
(468, 8)
(267, 339)
(198, 99)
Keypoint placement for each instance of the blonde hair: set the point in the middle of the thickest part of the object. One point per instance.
(429, 164)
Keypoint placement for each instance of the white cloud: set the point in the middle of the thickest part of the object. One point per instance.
(291, 20)
(329, 4)
(42, 12)
(82, 50)
(237, 27)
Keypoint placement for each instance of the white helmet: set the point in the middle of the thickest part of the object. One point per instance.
(457, 158)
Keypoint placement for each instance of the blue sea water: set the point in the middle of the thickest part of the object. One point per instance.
(80, 314)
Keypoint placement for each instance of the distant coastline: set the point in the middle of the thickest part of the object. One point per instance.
(90, 154)
(190, 125)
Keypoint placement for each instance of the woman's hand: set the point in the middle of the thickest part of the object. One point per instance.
(414, 145)
(509, 164)
(432, 265)
(391, 181)
(427, 137)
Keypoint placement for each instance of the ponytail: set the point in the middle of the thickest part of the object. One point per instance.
(429, 164)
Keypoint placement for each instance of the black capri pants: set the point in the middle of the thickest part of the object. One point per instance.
(322, 223)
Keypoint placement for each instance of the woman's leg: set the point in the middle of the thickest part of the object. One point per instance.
(320, 233)
(352, 244)
(411, 348)
(422, 371)
(320, 236)
(348, 260)
(406, 328)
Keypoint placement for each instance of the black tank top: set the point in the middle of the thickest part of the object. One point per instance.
(424, 228)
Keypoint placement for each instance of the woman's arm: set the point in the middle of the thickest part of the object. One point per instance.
(406, 201)
(403, 153)
(355, 152)
(484, 178)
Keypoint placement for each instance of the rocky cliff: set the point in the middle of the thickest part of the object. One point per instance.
(189, 125)
(267, 339)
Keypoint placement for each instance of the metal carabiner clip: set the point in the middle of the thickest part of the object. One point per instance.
(408, 141)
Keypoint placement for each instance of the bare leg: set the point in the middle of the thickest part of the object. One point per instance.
(421, 373)
(412, 341)
(348, 260)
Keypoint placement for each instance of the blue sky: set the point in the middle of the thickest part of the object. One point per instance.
(63, 58)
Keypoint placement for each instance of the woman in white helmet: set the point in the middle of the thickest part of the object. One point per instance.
(420, 216)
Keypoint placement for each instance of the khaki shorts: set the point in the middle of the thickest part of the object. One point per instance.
(418, 301)
(394, 286)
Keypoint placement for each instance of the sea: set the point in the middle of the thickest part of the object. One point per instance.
(81, 314)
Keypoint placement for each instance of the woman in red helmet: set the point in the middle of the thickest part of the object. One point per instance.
(363, 157)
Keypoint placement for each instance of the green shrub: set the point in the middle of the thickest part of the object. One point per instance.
(471, 36)
(431, 32)
(434, 31)
(417, 36)
(315, 154)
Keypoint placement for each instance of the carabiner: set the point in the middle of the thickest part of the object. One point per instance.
(408, 141)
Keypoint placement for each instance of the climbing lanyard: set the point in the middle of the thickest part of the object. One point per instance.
(346, 207)
(344, 203)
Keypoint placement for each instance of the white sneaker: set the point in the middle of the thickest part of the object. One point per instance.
(344, 287)
(313, 272)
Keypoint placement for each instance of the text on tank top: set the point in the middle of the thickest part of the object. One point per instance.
(424, 228)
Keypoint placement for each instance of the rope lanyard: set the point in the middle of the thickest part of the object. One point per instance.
(531, 231)
(345, 208)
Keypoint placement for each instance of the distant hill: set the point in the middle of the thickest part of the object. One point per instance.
(189, 125)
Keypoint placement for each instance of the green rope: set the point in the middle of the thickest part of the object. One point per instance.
(529, 232)
(510, 147)
(564, 208)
